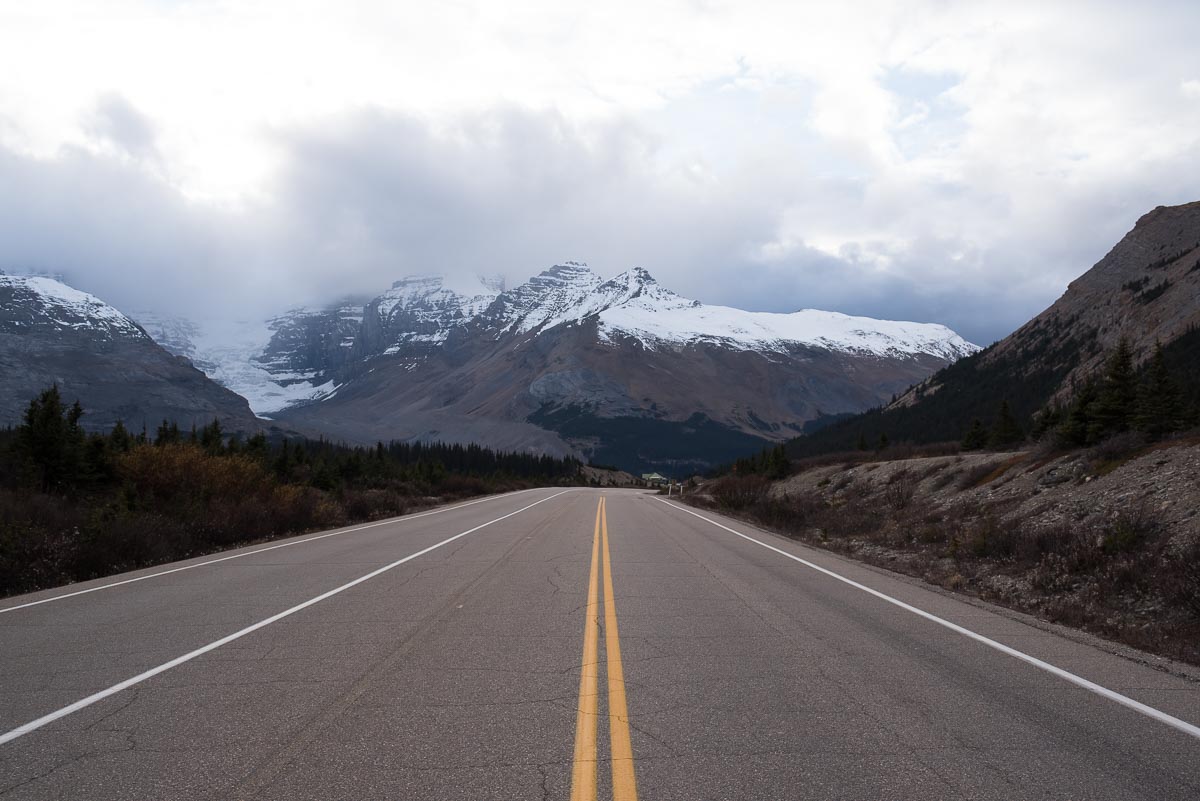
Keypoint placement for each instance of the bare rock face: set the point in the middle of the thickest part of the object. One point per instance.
(51, 333)
(1146, 290)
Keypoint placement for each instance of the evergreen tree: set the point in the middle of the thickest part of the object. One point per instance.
(119, 438)
(777, 463)
(1046, 421)
(883, 442)
(976, 437)
(211, 437)
(50, 442)
(1073, 432)
(1159, 410)
(167, 434)
(257, 446)
(1113, 410)
(1006, 430)
(283, 462)
(862, 441)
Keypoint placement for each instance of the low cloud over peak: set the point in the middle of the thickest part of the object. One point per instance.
(947, 164)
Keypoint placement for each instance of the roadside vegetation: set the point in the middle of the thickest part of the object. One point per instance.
(1085, 515)
(75, 506)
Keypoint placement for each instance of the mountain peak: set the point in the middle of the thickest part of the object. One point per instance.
(567, 271)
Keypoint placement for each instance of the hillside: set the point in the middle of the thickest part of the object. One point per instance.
(1144, 291)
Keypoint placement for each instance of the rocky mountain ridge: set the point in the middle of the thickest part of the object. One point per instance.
(51, 333)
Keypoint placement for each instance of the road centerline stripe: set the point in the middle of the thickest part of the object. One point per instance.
(1079, 681)
(583, 769)
(624, 783)
(397, 520)
(33, 725)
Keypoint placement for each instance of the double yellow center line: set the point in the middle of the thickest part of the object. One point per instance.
(583, 774)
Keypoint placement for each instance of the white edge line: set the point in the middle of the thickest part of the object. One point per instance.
(390, 520)
(33, 725)
(1112, 695)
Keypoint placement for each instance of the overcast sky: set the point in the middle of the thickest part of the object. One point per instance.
(948, 162)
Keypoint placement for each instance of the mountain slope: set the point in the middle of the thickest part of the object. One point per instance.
(52, 333)
(1144, 290)
(621, 370)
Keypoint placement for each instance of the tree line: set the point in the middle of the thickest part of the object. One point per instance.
(1122, 399)
(50, 452)
(76, 505)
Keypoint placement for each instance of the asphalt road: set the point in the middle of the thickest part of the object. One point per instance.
(547, 645)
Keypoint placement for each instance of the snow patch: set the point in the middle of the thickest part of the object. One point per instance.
(68, 307)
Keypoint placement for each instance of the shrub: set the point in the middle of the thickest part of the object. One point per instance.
(900, 489)
(1183, 575)
(740, 492)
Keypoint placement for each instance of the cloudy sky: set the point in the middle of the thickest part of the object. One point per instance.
(940, 161)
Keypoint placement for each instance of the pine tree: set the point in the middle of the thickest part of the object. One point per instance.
(119, 438)
(50, 442)
(1073, 432)
(283, 462)
(862, 441)
(212, 438)
(1159, 410)
(167, 434)
(1113, 410)
(976, 437)
(1046, 421)
(777, 463)
(1006, 430)
(257, 446)
(883, 442)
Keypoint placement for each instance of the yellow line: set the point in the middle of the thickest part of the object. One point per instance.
(624, 783)
(583, 774)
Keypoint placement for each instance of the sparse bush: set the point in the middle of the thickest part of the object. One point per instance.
(1183, 574)
(972, 477)
(1114, 451)
(900, 489)
(740, 492)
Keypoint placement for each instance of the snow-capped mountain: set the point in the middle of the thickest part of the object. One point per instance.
(52, 333)
(568, 355)
(623, 370)
(635, 306)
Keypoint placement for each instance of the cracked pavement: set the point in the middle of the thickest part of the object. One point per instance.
(455, 676)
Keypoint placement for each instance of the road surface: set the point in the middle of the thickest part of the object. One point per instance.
(565, 644)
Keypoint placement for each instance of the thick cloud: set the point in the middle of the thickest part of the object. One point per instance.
(958, 164)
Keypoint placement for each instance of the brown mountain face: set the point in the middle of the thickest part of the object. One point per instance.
(1146, 290)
